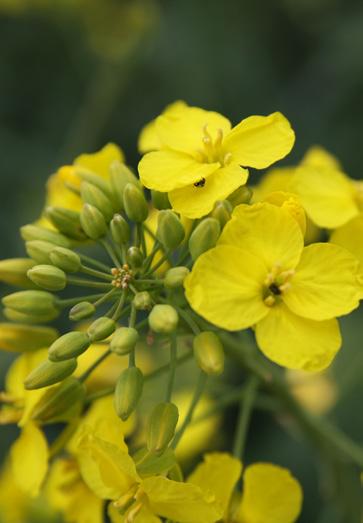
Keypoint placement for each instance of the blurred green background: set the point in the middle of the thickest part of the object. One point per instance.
(76, 74)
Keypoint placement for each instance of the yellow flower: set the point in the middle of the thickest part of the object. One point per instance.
(199, 155)
(260, 274)
(316, 392)
(350, 236)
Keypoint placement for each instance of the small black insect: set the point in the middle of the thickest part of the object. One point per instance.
(201, 183)
(275, 289)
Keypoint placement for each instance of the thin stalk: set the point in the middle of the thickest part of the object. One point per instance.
(109, 249)
(95, 263)
(244, 417)
(118, 311)
(149, 259)
(189, 320)
(105, 297)
(73, 301)
(132, 322)
(95, 273)
(141, 236)
(87, 283)
(173, 361)
(162, 260)
(94, 365)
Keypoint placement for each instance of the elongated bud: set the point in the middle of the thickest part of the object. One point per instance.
(93, 222)
(34, 232)
(170, 231)
(65, 259)
(160, 200)
(241, 195)
(135, 204)
(96, 180)
(81, 311)
(30, 302)
(162, 424)
(163, 319)
(25, 338)
(58, 400)
(222, 212)
(66, 221)
(175, 277)
(120, 176)
(124, 340)
(39, 250)
(69, 346)
(142, 301)
(134, 257)
(209, 353)
(101, 328)
(204, 237)
(120, 229)
(153, 464)
(25, 317)
(49, 372)
(13, 271)
(128, 392)
(48, 277)
(96, 197)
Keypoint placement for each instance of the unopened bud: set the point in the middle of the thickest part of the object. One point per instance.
(69, 346)
(120, 229)
(25, 317)
(96, 197)
(175, 277)
(81, 311)
(95, 179)
(13, 271)
(58, 400)
(39, 250)
(142, 301)
(170, 231)
(48, 277)
(120, 176)
(25, 338)
(241, 195)
(101, 328)
(162, 424)
(93, 222)
(34, 232)
(49, 372)
(222, 212)
(134, 203)
(160, 200)
(124, 340)
(128, 392)
(30, 302)
(65, 259)
(66, 221)
(209, 353)
(204, 237)
(163, 319)
(134, 257)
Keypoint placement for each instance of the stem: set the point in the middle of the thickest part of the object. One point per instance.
(118, 311)
(87, 283)
(95, 273)
(189, 320)
(163, 259)
(149, 259)
(173, 360)
(94, 365)
(95, 263)
(244, 417)
(74, 301)
(132, 321)
(109, 249)
(105, 297)
(141, 235)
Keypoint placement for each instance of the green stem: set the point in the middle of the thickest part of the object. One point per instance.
(105, 297)
(94, 365)
(189, 320)
(73, 301)
(141, 235)
(95, 263)
(109, 249)
(244, 417)
(162, 260)
(118, 311)
(87, 283)
(173, 361)
(95, 273)
(132, 322)
(149, 259)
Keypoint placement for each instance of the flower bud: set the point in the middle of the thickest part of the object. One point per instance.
(222, 212)
(175, 277)
(120, 229)
(204, 237)
(65, 259)
(101, 328)
(163, 319)
(34, 232)
(39, 250)
(25, 317)
(30, 302)
(162, 424)
(93, 222)
(128, 391)
(160, 200)
(69, 346)
(49, 372)
(57, 401)
(241, 195)
(134, 257)
(25, 338)
(124, 340)
(13, 271)
(97, 180)
(66, 221)
(81, 311)
(96, 197)
(134, 203)
(120, 176)
(48, 277)
(209, 353)
(170, 231)
(142, 301)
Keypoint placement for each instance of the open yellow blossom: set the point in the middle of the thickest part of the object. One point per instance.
(350, 236)
(260, 274)
(316, 392)
(199, 155)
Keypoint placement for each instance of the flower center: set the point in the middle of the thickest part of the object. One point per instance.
(121, 276)
(211, 150)
(276, 283)
(131, 503)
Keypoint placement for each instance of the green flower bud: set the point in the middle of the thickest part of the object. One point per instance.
(128, 392)
(34, 232)
(124, 340)
(49, 372)
(204, 237)
(94, 196)
(24, 317)
(209, 353)
(48, 277)
(154, 464)
(59, 401)
(175, 277)
(66, 221)
(170, 231)
(65, 259)
(13, 271)
(101, 328)
(134, 257)
(142, 301)
(241, 195)
(39, 250)
(25, 338)
(162, 425)
(134, 203)
(163, 319)
(100, 183)
(69, 346)
(120, 176)
(81, 311)
(160, 200)
(93, 222)
(222, 212)
(30, 302)
(120, 229)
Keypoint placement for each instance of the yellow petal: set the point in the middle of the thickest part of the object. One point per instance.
(225, 287)
(167, 170)
(325, 284)
(276, 179)
(58, 194)
(298, 343)
(100, 161)
(268, 232)
(318, 157)
(270, 494)
(181, 502)
(29, 459)
(259, 141)
(195, 202)
(291, 204)
(218, 474)
(350, 236)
